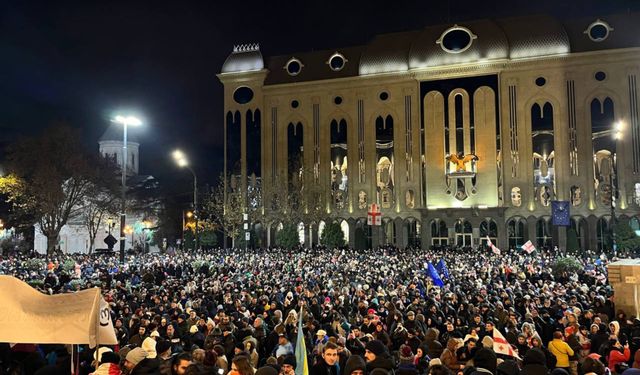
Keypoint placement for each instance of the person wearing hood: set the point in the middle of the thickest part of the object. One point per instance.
(614, 327)
(598, 338)
(355, 366)
(377, 355)
(137, 362)
(449, 357)
(407, 364)
(534, 363)
(485, 362)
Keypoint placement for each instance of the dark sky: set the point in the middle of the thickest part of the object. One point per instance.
(83, 61)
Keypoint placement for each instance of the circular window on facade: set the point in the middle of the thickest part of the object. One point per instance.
(337, 100)
(243, 95)
(598, 31)
(384, 96)
(600, 76)
(541, 81)
(295, 104)
(456, 39)
(336, 62)
(293, 67)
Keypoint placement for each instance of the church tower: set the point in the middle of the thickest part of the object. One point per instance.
(111, 147)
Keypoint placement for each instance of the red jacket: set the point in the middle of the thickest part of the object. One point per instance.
(616, 357)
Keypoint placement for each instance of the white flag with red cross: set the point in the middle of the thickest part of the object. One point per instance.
(528, 247)
(501, 346)
(374, 216)
(493, 247)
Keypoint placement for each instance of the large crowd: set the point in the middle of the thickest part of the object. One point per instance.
(375, 312)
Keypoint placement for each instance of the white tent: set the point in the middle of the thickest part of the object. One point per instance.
(28, 316)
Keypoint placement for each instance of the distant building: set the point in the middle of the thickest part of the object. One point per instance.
(458, 131)
(74, 237)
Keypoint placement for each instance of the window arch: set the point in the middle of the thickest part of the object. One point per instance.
(602, 233)
(464, 233)
(338, 165)
(543, 232)
(439, 233)
(516, 232)
(488, 228)
(542, 133)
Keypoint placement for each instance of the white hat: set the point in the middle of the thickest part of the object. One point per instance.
(97, 355)
(154, 334)
(321, 332)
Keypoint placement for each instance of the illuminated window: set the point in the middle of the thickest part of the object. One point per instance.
(336, 62)
(598, 31)
(456, 39)
(294, 66)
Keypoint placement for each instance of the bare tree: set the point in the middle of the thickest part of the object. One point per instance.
(58, 174)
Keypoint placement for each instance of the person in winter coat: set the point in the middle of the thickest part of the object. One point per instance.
(598, 338)
(355, 366)
(561, 350)
(449, 357)
(433, 346)
(137, 363)
(534, 363)
(377, 356)
(108, 364)
(407, 362)
(618, 354)
(636, 359)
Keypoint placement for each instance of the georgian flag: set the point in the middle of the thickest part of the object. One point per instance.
(528, 247)
(493, 247)
(501, 346)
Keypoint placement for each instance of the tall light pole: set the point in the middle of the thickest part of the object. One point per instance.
(125, 122)
(618, 128)
(182, 161)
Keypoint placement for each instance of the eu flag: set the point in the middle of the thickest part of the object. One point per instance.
(441, 267)
(433, 273)
(560, 213)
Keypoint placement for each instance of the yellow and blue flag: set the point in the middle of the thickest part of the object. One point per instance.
(302, 366)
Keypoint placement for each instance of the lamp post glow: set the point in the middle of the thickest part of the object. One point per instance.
(182, 161)
(618, 132)
(125, 122)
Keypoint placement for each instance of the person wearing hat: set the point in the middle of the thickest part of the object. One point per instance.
(136, 362)
(355, 366)
(485, 360)
(328, 365)
(284, 347)
(288, 365)
(377, 355)
(407, 361)
(321, 341)
(149, 346)
(107, 362)
(163, 348)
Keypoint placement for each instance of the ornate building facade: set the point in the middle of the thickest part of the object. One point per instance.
(460, 132)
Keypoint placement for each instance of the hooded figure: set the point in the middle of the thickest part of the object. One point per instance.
(485, 362)
(534, 363)
(355, 362)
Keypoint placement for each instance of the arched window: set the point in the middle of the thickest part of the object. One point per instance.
(543, 233)
(439, 233)
(488, 228)
(339, 164)
(464, 233)
(516, 232)
(389, 230)
(254, 143)
(602, 233)
(295, 143)
(413, 231)
(542, 133)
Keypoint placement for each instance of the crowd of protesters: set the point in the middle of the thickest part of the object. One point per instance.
(375, 312)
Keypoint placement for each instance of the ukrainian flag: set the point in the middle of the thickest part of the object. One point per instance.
(302, 366)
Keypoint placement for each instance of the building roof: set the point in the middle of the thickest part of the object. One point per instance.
(114, 133)
(244, 58)
(489, 39)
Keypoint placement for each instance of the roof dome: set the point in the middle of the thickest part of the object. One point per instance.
(387, 53)
(535, 36)
(244, 58)
(481, 40)
(114, 133)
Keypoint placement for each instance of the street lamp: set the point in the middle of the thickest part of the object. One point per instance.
(182, 161)
(617, 132)
(125, 122)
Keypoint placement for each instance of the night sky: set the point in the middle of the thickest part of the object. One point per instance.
(82, 62)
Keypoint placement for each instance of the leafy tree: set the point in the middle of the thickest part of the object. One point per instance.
(626, 238)
(572, 240)
(57, 174)
(565, 265)
(332, 236)
(288, 237)
(101, 202)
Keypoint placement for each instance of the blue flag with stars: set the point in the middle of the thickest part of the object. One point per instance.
(560, 213)
(433, 273)
(442, 268)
